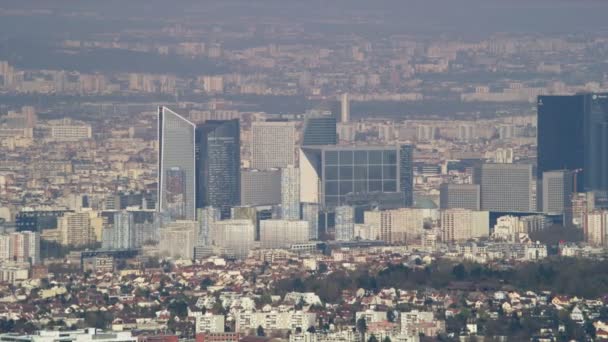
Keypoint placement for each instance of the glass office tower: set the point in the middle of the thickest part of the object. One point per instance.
(348, 174)
(176, 176)
(560, 134)
(596, 142)
(320, 131)
(573, 135)
(218, 163)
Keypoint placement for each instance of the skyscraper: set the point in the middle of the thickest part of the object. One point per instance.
(320, 130)
(505, 187)
(573, 135)
(273, 144)
(199, 165)
(595, 134)
(177, 169)
(218, 163)
(560, 117)
(290, 193)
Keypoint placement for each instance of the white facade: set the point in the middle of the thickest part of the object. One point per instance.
(282, 233)
(396, 225)
(236, 236)
(463, 224)
(209, 323)
(273, 144)
(178, 239)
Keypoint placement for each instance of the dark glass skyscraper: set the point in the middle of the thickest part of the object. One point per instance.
(320, 131)
(218, 162)
(573, 135)
(199, 166)
(596, 142)
(560, 134)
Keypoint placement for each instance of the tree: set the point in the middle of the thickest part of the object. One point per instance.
(206, 283)
(387, 339)
(372, 339)
(260, 331)
(459, 271)
(312, 329)
(322, 267)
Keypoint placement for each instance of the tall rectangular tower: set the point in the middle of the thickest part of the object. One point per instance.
(218, 163)
(177, 170)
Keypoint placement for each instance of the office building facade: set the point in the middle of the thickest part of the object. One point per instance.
(199, 166)
(320, 130)
(290, 193)
(465, 196)
(344, 223)
(353, 173)
(505, 187)
(218, 164)
(273, 144)
(261, 187)
(573, 135)
(177, 168)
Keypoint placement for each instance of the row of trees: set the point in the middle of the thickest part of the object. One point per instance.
(567, 276)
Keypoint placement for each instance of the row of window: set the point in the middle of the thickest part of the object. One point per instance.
(361, 172)
(361, 157)
(334, 188)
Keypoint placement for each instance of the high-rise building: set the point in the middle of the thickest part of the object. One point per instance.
(462, 224)
(595, 227)
(583, 119)
(178, 239)
(465, 196)
(346, 174)
(206, 218)
(310, 214)
(273, 144)
(20, 247)
(505, 187)
(396, 225)
(218, 163)
(282, 233)
(75, 229)
(406, 174)
(237, 237)
(344, 223)
(290, 193)
(120, 233)
(177, 165)
(555, 194)
(344, 108)
(320, 130)
(199, 165)
(261, 187)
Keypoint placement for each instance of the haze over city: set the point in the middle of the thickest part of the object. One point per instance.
(310, 171)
